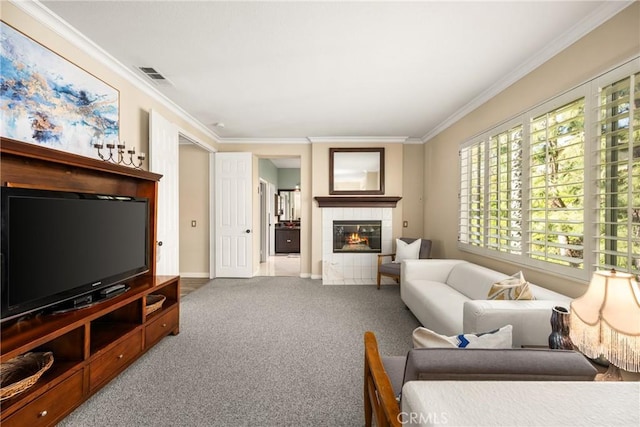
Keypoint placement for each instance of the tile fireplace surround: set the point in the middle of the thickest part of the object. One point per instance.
(353, 268)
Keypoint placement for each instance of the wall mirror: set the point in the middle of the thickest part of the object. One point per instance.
(289, 205)
(356, 171)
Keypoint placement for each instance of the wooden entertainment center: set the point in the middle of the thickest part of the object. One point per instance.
(92, 345)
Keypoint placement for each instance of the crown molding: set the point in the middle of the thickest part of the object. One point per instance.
(358, 139)
(264, 141)
(589, 23)
(59, 26)
(325, 140)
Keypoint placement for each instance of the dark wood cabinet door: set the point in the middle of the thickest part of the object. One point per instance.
(288, 240)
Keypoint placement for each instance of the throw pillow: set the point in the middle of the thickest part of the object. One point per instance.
(406, 250)
(511, 288)
(499, 338)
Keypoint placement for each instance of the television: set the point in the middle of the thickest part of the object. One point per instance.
(61, 248)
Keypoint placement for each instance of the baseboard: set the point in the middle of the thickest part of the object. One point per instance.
(191, 275)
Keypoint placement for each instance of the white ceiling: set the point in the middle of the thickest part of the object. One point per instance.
(305, 70)
(286, 163)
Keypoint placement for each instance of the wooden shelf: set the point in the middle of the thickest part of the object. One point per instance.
(357, 201)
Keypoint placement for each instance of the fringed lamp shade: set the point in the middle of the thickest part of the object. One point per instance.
(606, 320)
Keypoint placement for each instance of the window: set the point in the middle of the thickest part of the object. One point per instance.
(618, 190)
(556, 176)
(558, 187)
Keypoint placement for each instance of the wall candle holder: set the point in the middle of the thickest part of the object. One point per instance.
(119, 156)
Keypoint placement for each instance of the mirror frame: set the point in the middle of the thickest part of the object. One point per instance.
(332, 153)
(289, 190)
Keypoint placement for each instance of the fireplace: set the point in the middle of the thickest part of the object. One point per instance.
(360, 236)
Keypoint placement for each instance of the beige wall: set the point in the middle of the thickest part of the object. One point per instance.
(604, 48)
(413, 190)
(134, 103)
(194, 206)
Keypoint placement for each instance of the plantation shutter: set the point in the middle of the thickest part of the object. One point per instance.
(556, 185)
(618, 189)
(471, 227)
(504, 210)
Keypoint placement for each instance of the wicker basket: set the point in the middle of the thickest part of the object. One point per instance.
(154, 302)
(20, 373)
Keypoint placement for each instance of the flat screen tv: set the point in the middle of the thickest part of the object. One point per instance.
(60, 246)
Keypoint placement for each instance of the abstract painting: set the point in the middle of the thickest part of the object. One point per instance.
(47, 100)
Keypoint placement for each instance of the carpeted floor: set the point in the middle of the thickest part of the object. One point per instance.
(265, 351)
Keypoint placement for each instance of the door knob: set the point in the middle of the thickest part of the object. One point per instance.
(160, 243)
(247, 231)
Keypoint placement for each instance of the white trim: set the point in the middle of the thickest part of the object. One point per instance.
(212, 215)
(263, 141)
(195, 140)
(192, 275)
(55, 23)
(358, 139)
(582, 28)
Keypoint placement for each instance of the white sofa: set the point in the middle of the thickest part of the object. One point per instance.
(449, 297)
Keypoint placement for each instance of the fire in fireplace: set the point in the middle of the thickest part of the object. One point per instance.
(357, 236)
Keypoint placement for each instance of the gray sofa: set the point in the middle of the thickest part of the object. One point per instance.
(480, 364)
(449, 297)
(385, 378)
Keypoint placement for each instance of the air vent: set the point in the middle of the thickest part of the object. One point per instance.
(155, 75)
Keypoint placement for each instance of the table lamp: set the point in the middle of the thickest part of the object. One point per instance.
(605, 321)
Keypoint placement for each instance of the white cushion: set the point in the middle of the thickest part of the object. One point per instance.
(406, 250)
(499, 338)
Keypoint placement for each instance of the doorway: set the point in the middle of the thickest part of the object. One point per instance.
(194, 217)
(280, 231)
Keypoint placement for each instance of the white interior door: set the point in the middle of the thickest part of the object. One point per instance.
(234, 222)
(163, 159)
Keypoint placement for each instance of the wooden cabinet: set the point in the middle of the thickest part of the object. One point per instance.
(105, 366)
(49, 407)
(90, 346)
(287, 240)
(161, 326)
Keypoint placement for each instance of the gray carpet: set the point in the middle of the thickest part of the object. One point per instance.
(265, 351)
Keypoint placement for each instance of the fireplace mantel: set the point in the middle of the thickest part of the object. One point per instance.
(357, 201)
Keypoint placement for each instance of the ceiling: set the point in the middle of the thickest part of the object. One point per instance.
(286, 162)
(310, 71)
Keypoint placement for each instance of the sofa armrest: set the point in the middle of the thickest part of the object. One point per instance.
(531, 320)
(382, 256)
(428, 269)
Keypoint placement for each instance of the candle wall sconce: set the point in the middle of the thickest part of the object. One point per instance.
(119, 157)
